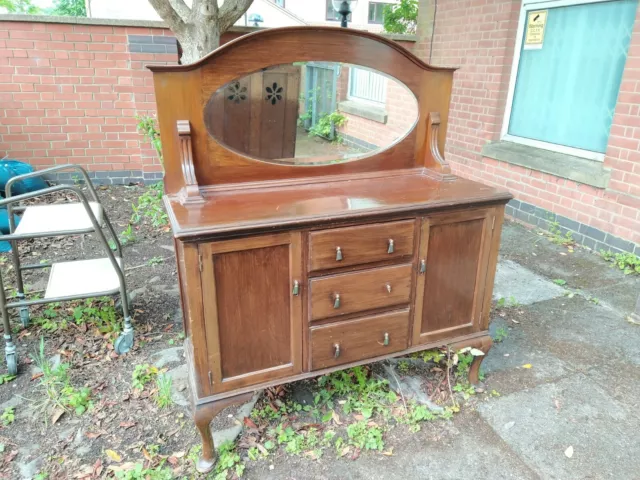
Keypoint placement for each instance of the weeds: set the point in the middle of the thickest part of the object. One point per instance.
(139, 472)
(143, 374)
(163, 383)
(511, 302)
(627, 262)
(155, 261)
(228, 460)
(128, 236)
(557, 236)
(150, 207)
(96, 312)
(365, 436)
(559, 281)
(8, 416)
(501, 334)
(6, 378)
(57, 385)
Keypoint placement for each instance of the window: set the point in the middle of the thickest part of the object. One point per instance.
(333, 15)
(367, 86)
(376, 12)
(566, 74)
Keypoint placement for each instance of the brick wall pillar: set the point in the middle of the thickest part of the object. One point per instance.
(424, 30)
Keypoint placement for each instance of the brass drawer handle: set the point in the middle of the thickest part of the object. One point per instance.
(423, 266)
(388, 285)
(336, 300)
(296, 288)
(338, 254)
(386, 339)
(336, 350)
(390, 247)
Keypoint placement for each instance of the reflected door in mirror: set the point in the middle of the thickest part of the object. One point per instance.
(257, 114)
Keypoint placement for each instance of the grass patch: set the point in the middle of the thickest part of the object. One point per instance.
(163, 384)
(57, 385)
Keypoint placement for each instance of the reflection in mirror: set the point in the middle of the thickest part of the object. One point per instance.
(311, 113)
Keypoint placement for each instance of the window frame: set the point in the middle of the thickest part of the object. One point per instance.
(372, 22)
(365, 101)
(528, 5)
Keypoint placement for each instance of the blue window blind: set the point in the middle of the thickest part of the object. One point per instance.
(566, 91)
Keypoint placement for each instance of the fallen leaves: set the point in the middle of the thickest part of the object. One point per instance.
(57, 413)
(569, 452)
(114, 455)
(527, 365)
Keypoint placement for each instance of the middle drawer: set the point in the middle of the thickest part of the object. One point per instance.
(359, 291)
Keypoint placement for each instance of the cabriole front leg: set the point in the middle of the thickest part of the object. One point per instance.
(482, 343)
(202, 416)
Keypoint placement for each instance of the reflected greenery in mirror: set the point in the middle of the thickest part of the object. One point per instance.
(311, 113)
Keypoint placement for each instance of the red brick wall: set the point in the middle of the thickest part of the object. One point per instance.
(479, 37)
(70, 93)
(400, 106)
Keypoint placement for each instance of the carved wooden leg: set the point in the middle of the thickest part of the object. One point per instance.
(202, 416)
(482, 343)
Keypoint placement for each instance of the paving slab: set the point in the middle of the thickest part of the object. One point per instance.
(540, 424)
(515, 282)
(518, 349)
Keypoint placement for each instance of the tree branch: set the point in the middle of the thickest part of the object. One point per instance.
(169, 15)
(231, 11)
(182, 9)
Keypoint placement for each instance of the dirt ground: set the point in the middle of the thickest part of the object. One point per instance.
(121, 420)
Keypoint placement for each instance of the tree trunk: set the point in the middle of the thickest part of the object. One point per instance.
(198, 29)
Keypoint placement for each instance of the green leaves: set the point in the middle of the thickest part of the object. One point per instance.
(401, 18)
(559, 281)
(147, 127)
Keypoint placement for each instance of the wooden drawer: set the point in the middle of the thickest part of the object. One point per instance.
(359, 339)
(361, 244)
(359, 291)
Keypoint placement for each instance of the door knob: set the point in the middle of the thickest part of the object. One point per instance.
(338, 254)
(390, 248)
(388, 285)
(296, 288)
(336, 350)
(386, 339)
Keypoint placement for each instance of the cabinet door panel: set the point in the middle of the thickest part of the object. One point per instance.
(253, 321)
(455, 248)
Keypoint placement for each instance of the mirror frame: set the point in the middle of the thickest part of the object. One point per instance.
(183, 91)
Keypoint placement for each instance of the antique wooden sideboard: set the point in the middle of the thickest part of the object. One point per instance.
(290, 268)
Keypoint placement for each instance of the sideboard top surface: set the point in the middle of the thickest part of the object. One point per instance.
(316, 203)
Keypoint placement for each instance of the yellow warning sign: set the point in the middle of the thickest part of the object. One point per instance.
(534, 36)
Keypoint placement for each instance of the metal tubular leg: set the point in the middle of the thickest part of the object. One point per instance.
(15, 256)
(10, 348)
(125, 341)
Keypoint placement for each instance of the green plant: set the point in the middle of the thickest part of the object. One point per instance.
(365, 436)
(627, 262)
(401, 17)
(143, 374)
(128, 235)
(57, 384)
(6, 378)
(41, 476)
(403, 367)
(417, 414)
(507, 303)
(19, 6)
(326, 124)
(501, 334)
(8, 416)
(228, 460)
(139, 472)
(155, 261)
(147, 127)
(559, 281)
(149, 206)
(163, 383)
(70, 8)
(556, 234)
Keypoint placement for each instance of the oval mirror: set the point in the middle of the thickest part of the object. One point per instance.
(311, 113)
